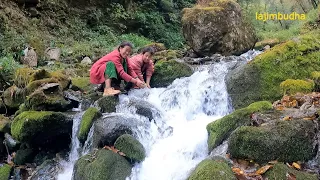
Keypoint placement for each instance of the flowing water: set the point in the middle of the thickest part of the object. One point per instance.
(176, 140)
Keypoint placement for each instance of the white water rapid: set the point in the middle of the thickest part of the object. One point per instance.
(187, 106)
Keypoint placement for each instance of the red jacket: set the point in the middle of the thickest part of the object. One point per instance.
(98, 68)
(139, 66)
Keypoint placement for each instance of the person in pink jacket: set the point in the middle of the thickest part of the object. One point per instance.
(114, 67)
(142, 65)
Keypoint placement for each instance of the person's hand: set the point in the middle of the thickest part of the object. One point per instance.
(140, 84)
(148, 86)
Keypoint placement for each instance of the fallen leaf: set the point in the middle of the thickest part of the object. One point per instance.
(291, 176)
(296, 165)
(237, 171)
(263, 169)
(287, 118)
(280, 108)
(113, 149)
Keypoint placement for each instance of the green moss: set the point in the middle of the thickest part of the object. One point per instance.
(212, 170)
(39, 101)
(291, 86)
(83, 83)
(280, 171)
(37, 83)
(108, 104)
(260, 79)
(13, 97)
(316, 78)
(131, 147)
(22, 77)
(167, 71)
(270, 42)
(104, 164)
(286, 141)
(40, 74)
(88, 118)
(4, 124)
(63, 80)
(22, 108)
(220, 129)
(5, 171)
(38, 126)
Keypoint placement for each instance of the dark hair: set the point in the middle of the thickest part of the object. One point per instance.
(125, 43)
(147, 49)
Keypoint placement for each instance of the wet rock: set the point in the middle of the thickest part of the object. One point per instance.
(131, 147)
(107, 104)
(286, 141)
(101, 164)
(73, 96)
(166, 72)
(108, 128)
(144, 108)
(49, 169)
(212, 169)
(42, 128)
(10, 142)
(220, 129)
(88, 119)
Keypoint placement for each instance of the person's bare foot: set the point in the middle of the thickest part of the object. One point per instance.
(110, 92)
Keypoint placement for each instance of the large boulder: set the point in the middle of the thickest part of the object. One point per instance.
(165, 72)
(42, 128)
(218, 27)
(131, 147)
(260, 79)
(109, 128)
(107, 104)
(88, 118)
(286, 141)
(103, 164)
(212, 169)
(220, 129)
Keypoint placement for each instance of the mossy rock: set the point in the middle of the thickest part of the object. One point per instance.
(82, 83)
(166, 55)
(131, 147)
(165, 72)
(108, 104)
(316, 78)
(220, 129)
(88, 118)
(292, 86)
(22, 77)
(40, 74)
(52, 101)
(40, 127)
(259, 79)
(104, 164)
(24, 156)
(34, 85)
(63, 80)
(212, 170)
(286, 141)
(270, 42)
(4, 124)
(5, 171)
(280, 171)
(13, 97)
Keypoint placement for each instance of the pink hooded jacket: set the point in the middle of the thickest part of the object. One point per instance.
(139, 66)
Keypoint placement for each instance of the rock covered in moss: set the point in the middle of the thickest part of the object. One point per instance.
(260, 79)
(4, 124)
(108, 104)
(103, 164)
(81, 83)
(213, 170)
(109, 128)
(131, 147)
(220, 129)
(293, 86)
(217, 27)
(40, 127)
(286, 141)
(271, 42)
(165, 72)
(88, 118)
(280, 171)
(5, 171)
(13, 97)
(166, 55)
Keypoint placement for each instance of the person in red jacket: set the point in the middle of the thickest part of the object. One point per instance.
(114, 67)
(142, 65)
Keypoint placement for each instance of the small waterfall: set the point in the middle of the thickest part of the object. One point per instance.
(176, 138)
(75, 149)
